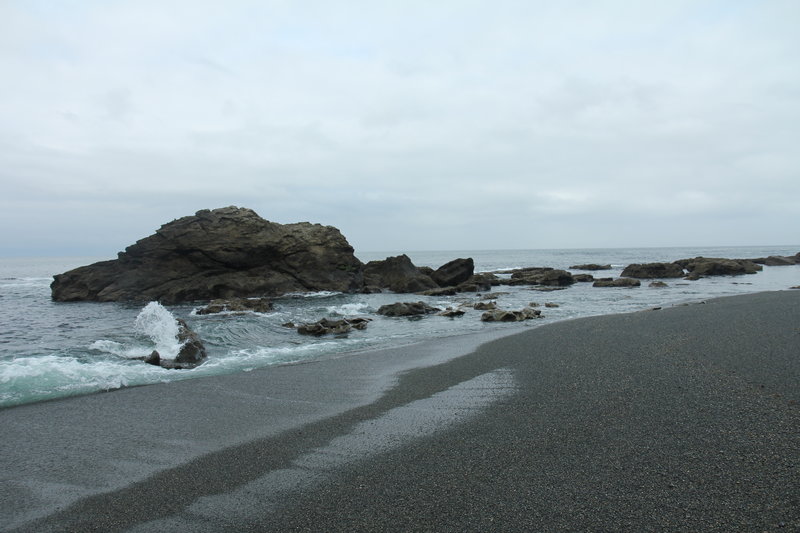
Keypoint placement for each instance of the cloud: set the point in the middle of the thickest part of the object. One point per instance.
(408, 125)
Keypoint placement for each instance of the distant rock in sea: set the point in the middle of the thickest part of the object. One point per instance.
(222, 253)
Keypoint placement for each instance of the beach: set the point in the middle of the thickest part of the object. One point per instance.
(678, 419)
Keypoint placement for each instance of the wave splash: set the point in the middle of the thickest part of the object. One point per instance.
(161, 327)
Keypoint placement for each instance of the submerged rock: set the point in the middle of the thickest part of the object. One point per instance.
(590, 266)
(619, 282)
(451, 313)
(335, 327)
(221, 253)
(237, 305)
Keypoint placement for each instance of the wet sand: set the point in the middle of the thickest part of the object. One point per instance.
(682, 419)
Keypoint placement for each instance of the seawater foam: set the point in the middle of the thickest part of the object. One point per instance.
(53, 376)
(157, 323)
(352, 309)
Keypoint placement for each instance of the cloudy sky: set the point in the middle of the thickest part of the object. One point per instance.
(410, 125)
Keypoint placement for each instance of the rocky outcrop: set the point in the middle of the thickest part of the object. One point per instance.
(717, 266)
(619, 282)
(777, 260)
(590, 266)
(398, 274)
(191, 354)
(407, 309)
(333, 327)
(653, 270)
(499, 315)
(583, 278)
(237, 306)
(454, 273)
(221, 253)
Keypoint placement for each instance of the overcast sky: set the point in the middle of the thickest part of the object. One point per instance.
(408, 125)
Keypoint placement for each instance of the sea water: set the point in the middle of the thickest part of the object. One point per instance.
(52, 349)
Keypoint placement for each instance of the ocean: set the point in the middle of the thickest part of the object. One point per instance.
(51, 350)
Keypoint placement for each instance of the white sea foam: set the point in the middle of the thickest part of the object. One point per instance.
(120, 350)
(318, 294)
(157, 323)
(57, 375)
(356, 308)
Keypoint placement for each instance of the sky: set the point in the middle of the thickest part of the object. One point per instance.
(409, 125)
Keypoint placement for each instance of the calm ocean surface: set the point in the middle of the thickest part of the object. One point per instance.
(50, 350)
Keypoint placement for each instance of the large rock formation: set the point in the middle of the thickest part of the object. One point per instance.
(222, 253)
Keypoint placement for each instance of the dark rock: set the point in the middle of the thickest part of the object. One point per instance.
(619, 282)
(716, 266)
(451, 313)
(479, 282)
(499, 315)
(153, 359)
(222, 253)
(541, 276)
(428, 271)
(551, 304)
(658, 284)
(583, 278)
(453, 273)
(653, 270)
(326, 326)
(407, 309)
(237, 305)
(485, 306)
(397, 274)
(192, 352)
(590, 266)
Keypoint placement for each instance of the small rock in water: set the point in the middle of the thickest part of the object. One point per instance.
(485, 306)
(499, 315)
(407, 309)
(551, 304)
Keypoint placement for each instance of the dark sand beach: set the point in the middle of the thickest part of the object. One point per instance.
(681, 419)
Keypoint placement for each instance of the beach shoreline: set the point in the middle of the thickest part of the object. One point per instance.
(491, 431)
